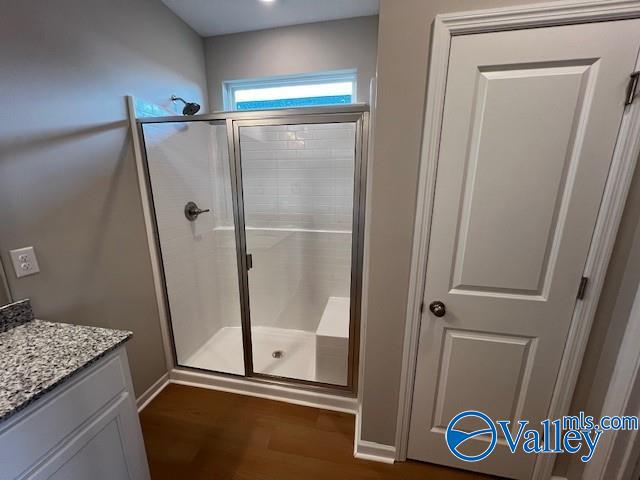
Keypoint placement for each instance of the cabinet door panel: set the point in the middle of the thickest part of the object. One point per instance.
(103, 450)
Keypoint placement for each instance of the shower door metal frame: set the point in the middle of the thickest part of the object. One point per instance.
(156, 231)
(360, 119)
(355, 113)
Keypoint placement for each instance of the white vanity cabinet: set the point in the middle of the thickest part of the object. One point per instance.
(86, 428)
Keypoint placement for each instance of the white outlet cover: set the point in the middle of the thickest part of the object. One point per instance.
(24, 261)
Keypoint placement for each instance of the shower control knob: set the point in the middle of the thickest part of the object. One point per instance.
(191, 211)
(438, 308)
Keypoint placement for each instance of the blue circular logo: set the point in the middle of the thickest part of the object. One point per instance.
(456, 438)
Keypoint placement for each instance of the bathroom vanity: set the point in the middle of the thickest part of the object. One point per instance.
(67, 407)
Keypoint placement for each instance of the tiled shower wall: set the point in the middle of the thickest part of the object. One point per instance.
(298, 176)
(298, 198)
(294, 274)
(189, 162)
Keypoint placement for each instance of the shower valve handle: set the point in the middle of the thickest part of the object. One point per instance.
(191, 211)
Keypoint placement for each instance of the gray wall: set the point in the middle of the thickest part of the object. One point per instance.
(621, 284)
(5, 293)
(312, 47)
(403, 49)
(68, 182)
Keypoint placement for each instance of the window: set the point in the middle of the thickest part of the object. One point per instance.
(332, 88)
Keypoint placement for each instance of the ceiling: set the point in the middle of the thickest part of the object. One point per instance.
(217, 17)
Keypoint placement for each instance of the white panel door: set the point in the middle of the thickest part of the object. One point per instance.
(529, 127)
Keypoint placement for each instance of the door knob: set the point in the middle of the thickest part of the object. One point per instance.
(191, 211)
(437, 308)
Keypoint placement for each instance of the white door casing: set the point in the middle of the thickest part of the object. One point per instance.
(530, 123)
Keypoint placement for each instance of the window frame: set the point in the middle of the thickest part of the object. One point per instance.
(230, 87)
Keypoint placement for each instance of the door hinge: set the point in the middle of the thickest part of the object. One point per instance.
(632, 88)
(421, 307)
(582, 288)
(249, 261)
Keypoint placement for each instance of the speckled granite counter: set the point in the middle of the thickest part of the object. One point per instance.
(37, 356)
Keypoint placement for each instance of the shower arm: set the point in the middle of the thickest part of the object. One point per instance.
(190, 108)
(175, 98)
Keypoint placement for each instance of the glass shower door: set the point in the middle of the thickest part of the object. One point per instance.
(298, 196)
(191, 190)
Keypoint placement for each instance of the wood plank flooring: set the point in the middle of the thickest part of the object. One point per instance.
(193, 433)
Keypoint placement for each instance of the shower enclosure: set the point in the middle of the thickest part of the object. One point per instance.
(259, 220)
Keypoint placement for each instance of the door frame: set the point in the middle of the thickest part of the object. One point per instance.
(621, 399)
(626, 151)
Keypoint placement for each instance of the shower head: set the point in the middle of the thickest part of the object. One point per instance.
(189, 107)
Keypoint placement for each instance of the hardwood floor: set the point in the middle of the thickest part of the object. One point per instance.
(193, 433)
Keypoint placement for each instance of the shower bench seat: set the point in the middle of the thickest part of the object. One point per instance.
(332, 342)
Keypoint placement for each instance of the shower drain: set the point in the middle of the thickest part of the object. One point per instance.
(277, 354)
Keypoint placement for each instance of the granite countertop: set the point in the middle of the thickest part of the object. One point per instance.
(36, 356)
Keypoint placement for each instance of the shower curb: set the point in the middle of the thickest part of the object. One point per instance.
(296, 396)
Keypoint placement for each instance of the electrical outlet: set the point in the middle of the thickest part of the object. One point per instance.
(24, 261)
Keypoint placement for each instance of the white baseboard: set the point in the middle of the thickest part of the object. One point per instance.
(373, 451)
(143, 400)
(281, 393)
(376, 452)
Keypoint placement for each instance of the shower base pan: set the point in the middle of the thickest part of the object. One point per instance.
(279, 352)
